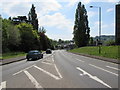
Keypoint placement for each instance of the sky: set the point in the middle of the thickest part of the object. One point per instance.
(58, 16)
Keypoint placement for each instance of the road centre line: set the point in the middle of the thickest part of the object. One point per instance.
(93, 77)
(80, 60)
(48, 73)
(3, 85)
(33, 80)
(103, 69)
(22, 70)
(113, 68)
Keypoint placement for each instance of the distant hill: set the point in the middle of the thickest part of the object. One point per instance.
(105, 38)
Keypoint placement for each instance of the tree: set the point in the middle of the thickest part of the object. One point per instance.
(10, 36)
(81, 28)
(29, 37)
(32, 17)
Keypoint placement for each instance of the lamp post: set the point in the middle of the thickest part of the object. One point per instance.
(99, 42)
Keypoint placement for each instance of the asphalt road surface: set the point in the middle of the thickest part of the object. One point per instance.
(60, 69)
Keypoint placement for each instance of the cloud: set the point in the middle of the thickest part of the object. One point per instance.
(18, 7)
(110, 10)
(57, 20)
(91, 14)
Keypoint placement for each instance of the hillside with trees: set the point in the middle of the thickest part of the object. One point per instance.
(22, 34)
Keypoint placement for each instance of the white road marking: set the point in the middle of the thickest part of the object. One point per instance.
(47, 63)
(103, 69)
(48, 73)
(113, 68)
(33, 80)
(58, 71)
(22, 70)
(3, 85)
(93, 77)
(80, 60)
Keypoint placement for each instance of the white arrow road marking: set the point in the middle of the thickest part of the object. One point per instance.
(103, 69)
(3, 85)
(80, 60)
(33, 80)
(93, 77)
(113, 68)
(48, 73)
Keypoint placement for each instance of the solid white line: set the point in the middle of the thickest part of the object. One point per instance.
(58, 71)
(93, 77)
(22, 70)
(3, 85)
(103, 69)
(48, 73)
(113, 68)
(47, 63)
(80, 60)
(33, 80)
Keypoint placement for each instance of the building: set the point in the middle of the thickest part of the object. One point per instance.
(118, 24)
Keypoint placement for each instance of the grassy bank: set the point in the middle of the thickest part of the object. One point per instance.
(106, 51)
(12, 55)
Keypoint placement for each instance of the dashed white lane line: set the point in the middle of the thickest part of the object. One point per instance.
(93, 77)
(22, 70)
(48, 73)
(103, 69)
(33, 80)
(113, 68)
(80, 60)
(3, 85)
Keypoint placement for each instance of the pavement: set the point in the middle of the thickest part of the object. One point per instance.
(61, 70)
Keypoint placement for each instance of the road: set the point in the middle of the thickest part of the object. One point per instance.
(60, 69)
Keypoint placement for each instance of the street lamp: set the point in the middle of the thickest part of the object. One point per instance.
(99, 42)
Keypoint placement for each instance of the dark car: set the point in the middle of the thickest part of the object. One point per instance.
(33, 55)
(48, 51)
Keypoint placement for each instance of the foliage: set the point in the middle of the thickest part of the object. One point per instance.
(10, 36)
(33, 18)
(29, 38)
(110, 43)
(81, 28)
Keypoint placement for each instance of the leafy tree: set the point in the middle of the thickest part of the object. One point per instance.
(10, 36)
(81, 28)
(32, 16)
(29, 38)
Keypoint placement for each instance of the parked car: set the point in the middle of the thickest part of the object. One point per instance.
(48, 51)
(34, 54)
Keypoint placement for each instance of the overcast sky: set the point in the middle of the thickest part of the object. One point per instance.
(57, 16)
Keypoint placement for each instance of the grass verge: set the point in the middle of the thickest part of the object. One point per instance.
(12, 55)
(106, 51)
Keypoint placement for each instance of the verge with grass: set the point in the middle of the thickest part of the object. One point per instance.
(106, 51)
(12, 55)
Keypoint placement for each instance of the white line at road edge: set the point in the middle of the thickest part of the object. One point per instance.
(93, 77)
(33, 80)
(80, 60)
(48, 73)
(113, 68)
(103, 69)
(3, 85)
(22, 70)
